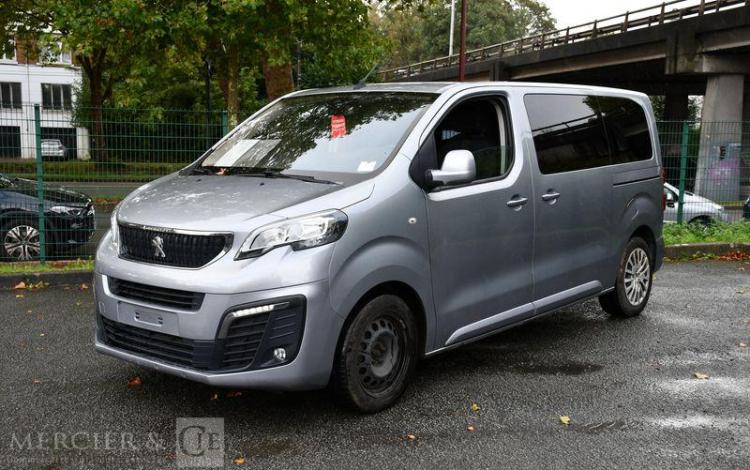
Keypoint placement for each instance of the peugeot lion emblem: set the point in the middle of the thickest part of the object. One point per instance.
(158, 244)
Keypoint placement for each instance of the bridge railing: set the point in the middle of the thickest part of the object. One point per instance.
(667, 12)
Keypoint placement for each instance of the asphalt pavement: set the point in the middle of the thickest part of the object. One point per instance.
(628, 387)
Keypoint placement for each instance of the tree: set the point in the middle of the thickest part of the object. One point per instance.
(422, 33)
(106, 36)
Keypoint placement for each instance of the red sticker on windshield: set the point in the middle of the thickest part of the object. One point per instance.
(338, 126)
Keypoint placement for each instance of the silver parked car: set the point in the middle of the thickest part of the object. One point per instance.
(695, 209)
(340, 235)
(54, 148)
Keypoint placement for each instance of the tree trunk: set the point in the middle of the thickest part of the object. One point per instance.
(278, 78)
(233, 84)
(99, 143)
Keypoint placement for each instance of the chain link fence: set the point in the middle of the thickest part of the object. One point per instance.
(62, 171)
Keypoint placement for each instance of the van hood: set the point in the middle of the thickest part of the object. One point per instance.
(200, 202)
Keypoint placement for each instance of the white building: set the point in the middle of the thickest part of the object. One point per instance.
(38, 75)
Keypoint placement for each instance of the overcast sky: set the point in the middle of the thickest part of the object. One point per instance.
(573, 12)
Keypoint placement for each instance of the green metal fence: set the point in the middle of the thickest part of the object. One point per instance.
(99, 157)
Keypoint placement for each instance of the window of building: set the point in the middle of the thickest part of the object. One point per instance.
(10, 95)
(8, 49)
(56, 53)
(56, 96)
(480, 126)
(568, 132)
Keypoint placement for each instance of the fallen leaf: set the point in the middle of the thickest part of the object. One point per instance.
(239, 460)
(78, 304)
(565, 420)
(20, 285)
(19, 296)
(743, 345)
(411, 437)
(135, 381)
(474, 407)
(741, 290)
(215, 396)
(234, 394)
(36, 381)
(84, 286)
(470, 428)
(41, 334)
(700, 376)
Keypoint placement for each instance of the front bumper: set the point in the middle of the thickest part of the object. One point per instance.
(310, 368)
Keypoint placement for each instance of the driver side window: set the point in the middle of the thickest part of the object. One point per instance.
(480, 126)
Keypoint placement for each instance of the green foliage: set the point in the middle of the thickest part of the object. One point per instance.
(694, 107)
(737, 232)
(74, 171)
(423, 34)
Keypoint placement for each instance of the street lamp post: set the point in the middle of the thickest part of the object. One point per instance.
(462, 51)
(453, 27)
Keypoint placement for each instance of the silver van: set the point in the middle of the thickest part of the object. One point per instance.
(338, 236)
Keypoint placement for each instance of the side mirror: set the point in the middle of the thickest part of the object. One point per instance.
(671, 199)
(458, 167)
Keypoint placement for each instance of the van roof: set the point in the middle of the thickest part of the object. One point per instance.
(442, 87)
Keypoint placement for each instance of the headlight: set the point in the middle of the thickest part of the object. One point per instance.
(115, 228)
(67, 210)
(300, 233)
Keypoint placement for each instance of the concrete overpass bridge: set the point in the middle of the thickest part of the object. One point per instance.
(675, 49)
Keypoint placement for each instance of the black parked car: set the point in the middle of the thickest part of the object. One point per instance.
(69, 219)
(746, 209)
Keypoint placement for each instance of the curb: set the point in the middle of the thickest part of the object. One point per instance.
(7, 281)
(718, 249)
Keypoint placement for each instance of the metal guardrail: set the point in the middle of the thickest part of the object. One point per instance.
(667, 12)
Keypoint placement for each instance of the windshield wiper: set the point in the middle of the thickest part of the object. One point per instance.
(278, 174)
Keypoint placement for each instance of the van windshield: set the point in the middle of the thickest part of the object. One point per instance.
(351, 133)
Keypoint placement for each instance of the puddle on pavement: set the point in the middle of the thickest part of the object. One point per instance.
(568, 368)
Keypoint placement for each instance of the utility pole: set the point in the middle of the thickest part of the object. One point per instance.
(209, 72)
(453, 27)
(462, 52)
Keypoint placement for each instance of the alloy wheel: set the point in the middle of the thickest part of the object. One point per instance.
(21, 242)
(637, 276)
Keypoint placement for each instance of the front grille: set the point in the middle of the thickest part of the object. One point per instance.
(244, 343)
(156, 295)
(170, 248)
(168, 348)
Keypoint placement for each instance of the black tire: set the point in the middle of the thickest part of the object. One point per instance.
(11, 228)
(620, 301)
(385, 327)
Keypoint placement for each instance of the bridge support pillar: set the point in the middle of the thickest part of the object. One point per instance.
(718, 175)
(676, 107)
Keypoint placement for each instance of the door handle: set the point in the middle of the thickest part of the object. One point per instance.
(517, 202)
(549, 197)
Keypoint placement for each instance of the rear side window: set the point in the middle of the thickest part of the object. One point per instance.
(574, 132)
(568, 132)
(627, 129)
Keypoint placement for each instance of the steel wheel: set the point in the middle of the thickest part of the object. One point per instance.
(380, 355)
(21, 242)
(637, 276)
